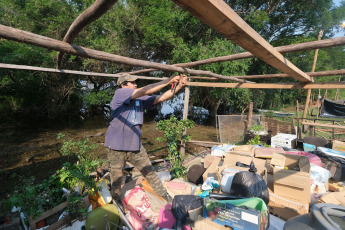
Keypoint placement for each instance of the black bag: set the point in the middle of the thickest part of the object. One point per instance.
(335, 165)
(181, 204)
(249, 184)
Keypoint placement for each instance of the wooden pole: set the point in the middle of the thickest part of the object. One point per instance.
(312, 70)
(95, 11)
(185, 116)
(312, 85)
(336, 97)
(49, 43)
(65, 71)
(297, 114)
(282, 49)
(250, 116)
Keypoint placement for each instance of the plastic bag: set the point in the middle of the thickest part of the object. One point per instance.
(249, 184)
(319, 177)
(209, 184)
(181, 205)
(220, 150)
(141, 215)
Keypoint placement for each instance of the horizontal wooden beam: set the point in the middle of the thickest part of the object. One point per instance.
(65, 71)
(282, 49)
(323, 125)
(282, 75)
(49, 43)
(312, 85)
(219, 15)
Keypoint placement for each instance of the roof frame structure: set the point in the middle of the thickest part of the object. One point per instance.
(218, 15)
(215, 13)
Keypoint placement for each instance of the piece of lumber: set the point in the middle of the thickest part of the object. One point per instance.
(95, 11)
(282, 49)
(323, 125)
(65, 71)
(312, 85)
(307, 100)
(282, 75)
(218, 15)
(49, 43)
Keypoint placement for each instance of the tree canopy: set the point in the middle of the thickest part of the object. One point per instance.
(158, 31)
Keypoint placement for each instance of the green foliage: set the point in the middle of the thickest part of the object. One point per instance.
(76, 206)
(78, 174)
(256, 141)
(256, 128)
(81, 148)
(157, 31)
(173, 133)
(35, 199)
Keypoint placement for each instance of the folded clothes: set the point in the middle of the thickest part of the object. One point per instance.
(176, 185)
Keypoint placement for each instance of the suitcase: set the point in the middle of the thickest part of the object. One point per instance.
(335, 165)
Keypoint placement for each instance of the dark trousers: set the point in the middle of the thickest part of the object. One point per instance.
(138, 159)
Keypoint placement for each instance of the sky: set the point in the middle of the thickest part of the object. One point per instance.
(342, 32)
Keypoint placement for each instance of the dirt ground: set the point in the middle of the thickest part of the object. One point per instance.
(35, 151)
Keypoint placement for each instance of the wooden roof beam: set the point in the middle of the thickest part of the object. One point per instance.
(95, 11)
(282, 75)
(282, 49)
(311, 85)
(218, 15)
(50, 43)
(65, 71)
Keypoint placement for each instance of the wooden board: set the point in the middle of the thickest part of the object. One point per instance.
(218, 15)
(312, 85)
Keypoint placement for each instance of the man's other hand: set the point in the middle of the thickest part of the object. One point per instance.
(174, 79)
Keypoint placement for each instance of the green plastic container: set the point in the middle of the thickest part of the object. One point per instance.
(104, 217)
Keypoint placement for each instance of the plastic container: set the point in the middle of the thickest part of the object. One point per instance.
(228, 175)
(308, 147)
(284, 140)
(322, 216)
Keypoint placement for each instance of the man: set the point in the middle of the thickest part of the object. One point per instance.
(123, 138)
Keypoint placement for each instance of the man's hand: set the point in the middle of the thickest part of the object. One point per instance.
(183, 81)
(174, 79)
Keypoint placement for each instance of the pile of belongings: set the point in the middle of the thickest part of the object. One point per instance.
(243, 187)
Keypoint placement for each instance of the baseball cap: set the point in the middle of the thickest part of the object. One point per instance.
(126, 77)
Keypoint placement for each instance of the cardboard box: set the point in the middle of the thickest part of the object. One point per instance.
(211, 171)
(237, 217)
(243, 150)
(285, 208)
(337, 198)
(338, 145)
(232, 159)
(206, 224)
(291, 177)
(282, 207)
(208, 159)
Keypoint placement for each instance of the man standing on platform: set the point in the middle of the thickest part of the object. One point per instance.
(123, 138)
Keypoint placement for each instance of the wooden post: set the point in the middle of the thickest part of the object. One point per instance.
(185, 116)
(337, 92)
(297, 114)
(312, 70)
(250, 115)
(332, 131)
